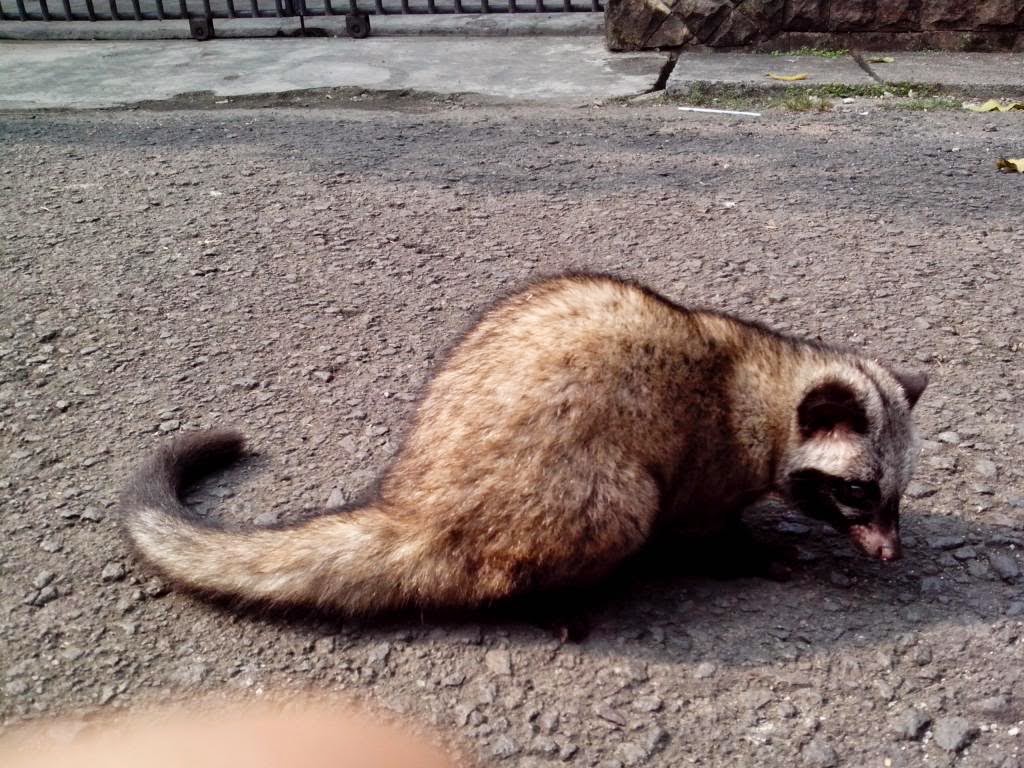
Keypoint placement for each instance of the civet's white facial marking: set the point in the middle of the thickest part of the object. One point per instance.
(856, 447)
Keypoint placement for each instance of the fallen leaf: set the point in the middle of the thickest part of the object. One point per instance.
(881, 60)
(788, 78)
(989, 106)
(1010, 165)
(994, 105)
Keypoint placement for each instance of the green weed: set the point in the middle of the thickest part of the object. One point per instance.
(822, 53)
(800, 100)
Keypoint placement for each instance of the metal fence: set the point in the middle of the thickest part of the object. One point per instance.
(200, 13)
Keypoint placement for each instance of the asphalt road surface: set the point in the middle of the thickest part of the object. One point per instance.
(295, 273)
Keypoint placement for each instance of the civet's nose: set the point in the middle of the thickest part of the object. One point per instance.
(877, 542)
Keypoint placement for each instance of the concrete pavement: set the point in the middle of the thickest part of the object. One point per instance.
(566, 70)
(752, 69)
(969, 74)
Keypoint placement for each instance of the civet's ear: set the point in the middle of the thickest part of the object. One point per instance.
(831, 407)
(913, 384)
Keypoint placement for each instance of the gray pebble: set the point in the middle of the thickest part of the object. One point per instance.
(72, 653)
(190, 674)
(378, 655)
(986, 468)
(454, 680)
(819, 754)
(113, 572)
(610, 715)
(547, 722)
(504, 747)
(704, 670)
(155, 588)
(16, 688)
(337, 498)
(918, 490)
(656, 739)
(633, 672)
(979, 569)
(840, 579)
(952, 438)
(265, 519)
(922, 656)
(991, 707)
(544, 745)
(486, 693)
(169, 426)
(92, 514)
(648, 704)
(107, 693)
(515, 697)
(43, 578)
(46, 595)
(51, 544)
(499, 662)
(324, 646)
(911, 724)
(953, 733)
(946, 542)
(1016, 608)
(945, 463)
(359, 480)
(463, 713)
(1004, 565)
(567, 750)
(965, 553)
(630, 753)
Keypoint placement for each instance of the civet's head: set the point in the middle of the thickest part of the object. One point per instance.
(854, 451)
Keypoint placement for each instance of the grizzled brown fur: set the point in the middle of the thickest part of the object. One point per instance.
(575, 419)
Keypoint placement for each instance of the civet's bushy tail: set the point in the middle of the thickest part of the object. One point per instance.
(355, 561)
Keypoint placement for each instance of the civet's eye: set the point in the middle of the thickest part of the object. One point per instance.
(856, 494)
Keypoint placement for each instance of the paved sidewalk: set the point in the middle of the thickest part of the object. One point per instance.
(568, 69)
(976, 74)
(564, 70)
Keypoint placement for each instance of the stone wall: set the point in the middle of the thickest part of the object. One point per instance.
(791, 24)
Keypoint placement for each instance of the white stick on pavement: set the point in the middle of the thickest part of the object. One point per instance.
(719, 111)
